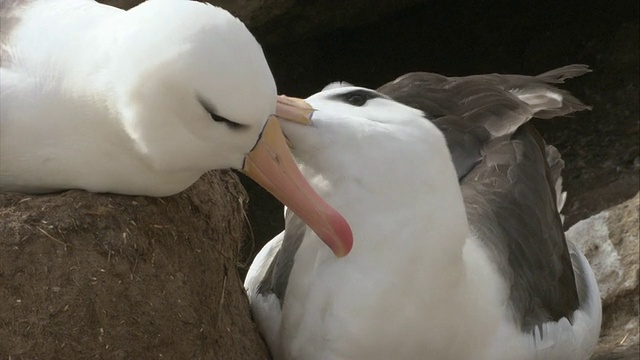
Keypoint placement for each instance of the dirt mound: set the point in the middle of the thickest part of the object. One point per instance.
(120, 277)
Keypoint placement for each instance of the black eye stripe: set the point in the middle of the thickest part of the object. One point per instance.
(231, 124)
(218, 118)
(357, 97)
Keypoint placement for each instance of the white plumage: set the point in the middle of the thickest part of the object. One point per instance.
(421, 281)
(107, 100)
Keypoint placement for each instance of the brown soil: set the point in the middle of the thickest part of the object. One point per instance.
(118, 277)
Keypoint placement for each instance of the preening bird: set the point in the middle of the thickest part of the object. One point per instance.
(454, 200)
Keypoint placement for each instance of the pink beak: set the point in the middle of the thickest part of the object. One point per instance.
(271, 165)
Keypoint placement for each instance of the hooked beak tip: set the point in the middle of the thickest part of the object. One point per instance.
(294, 109)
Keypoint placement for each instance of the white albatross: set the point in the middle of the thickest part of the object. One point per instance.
(142, 102)
(458, 247)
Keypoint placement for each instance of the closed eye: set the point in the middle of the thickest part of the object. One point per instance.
(222, 119)
(219, 118)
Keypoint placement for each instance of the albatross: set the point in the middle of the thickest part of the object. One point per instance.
(454, 201)
(143, 102)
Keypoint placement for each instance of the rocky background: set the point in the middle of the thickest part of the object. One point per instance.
(116, 277)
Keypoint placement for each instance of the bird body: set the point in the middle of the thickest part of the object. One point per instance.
(445, 264)
(95, 97)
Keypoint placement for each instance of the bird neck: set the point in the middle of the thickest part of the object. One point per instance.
(414, 219)
(409, 237)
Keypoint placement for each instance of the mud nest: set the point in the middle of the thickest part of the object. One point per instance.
(97, 275)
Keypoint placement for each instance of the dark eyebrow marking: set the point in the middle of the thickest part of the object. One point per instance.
(364, 94)
(218, 118)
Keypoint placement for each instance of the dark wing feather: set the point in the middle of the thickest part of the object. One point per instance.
(277, 276)
(508, 185)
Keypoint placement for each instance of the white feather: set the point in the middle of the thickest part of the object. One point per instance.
(106, 100)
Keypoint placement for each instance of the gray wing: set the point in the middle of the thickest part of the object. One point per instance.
(277, 276)
(509, 189)
(472, 110)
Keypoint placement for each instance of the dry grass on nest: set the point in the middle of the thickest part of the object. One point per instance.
(97, 275)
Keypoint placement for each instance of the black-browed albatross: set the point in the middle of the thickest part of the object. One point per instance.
(458, 247)
(142, 102)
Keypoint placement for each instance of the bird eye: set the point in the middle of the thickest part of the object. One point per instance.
(229, 123)
(358, 97)
(357, 100)
(218, 118)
